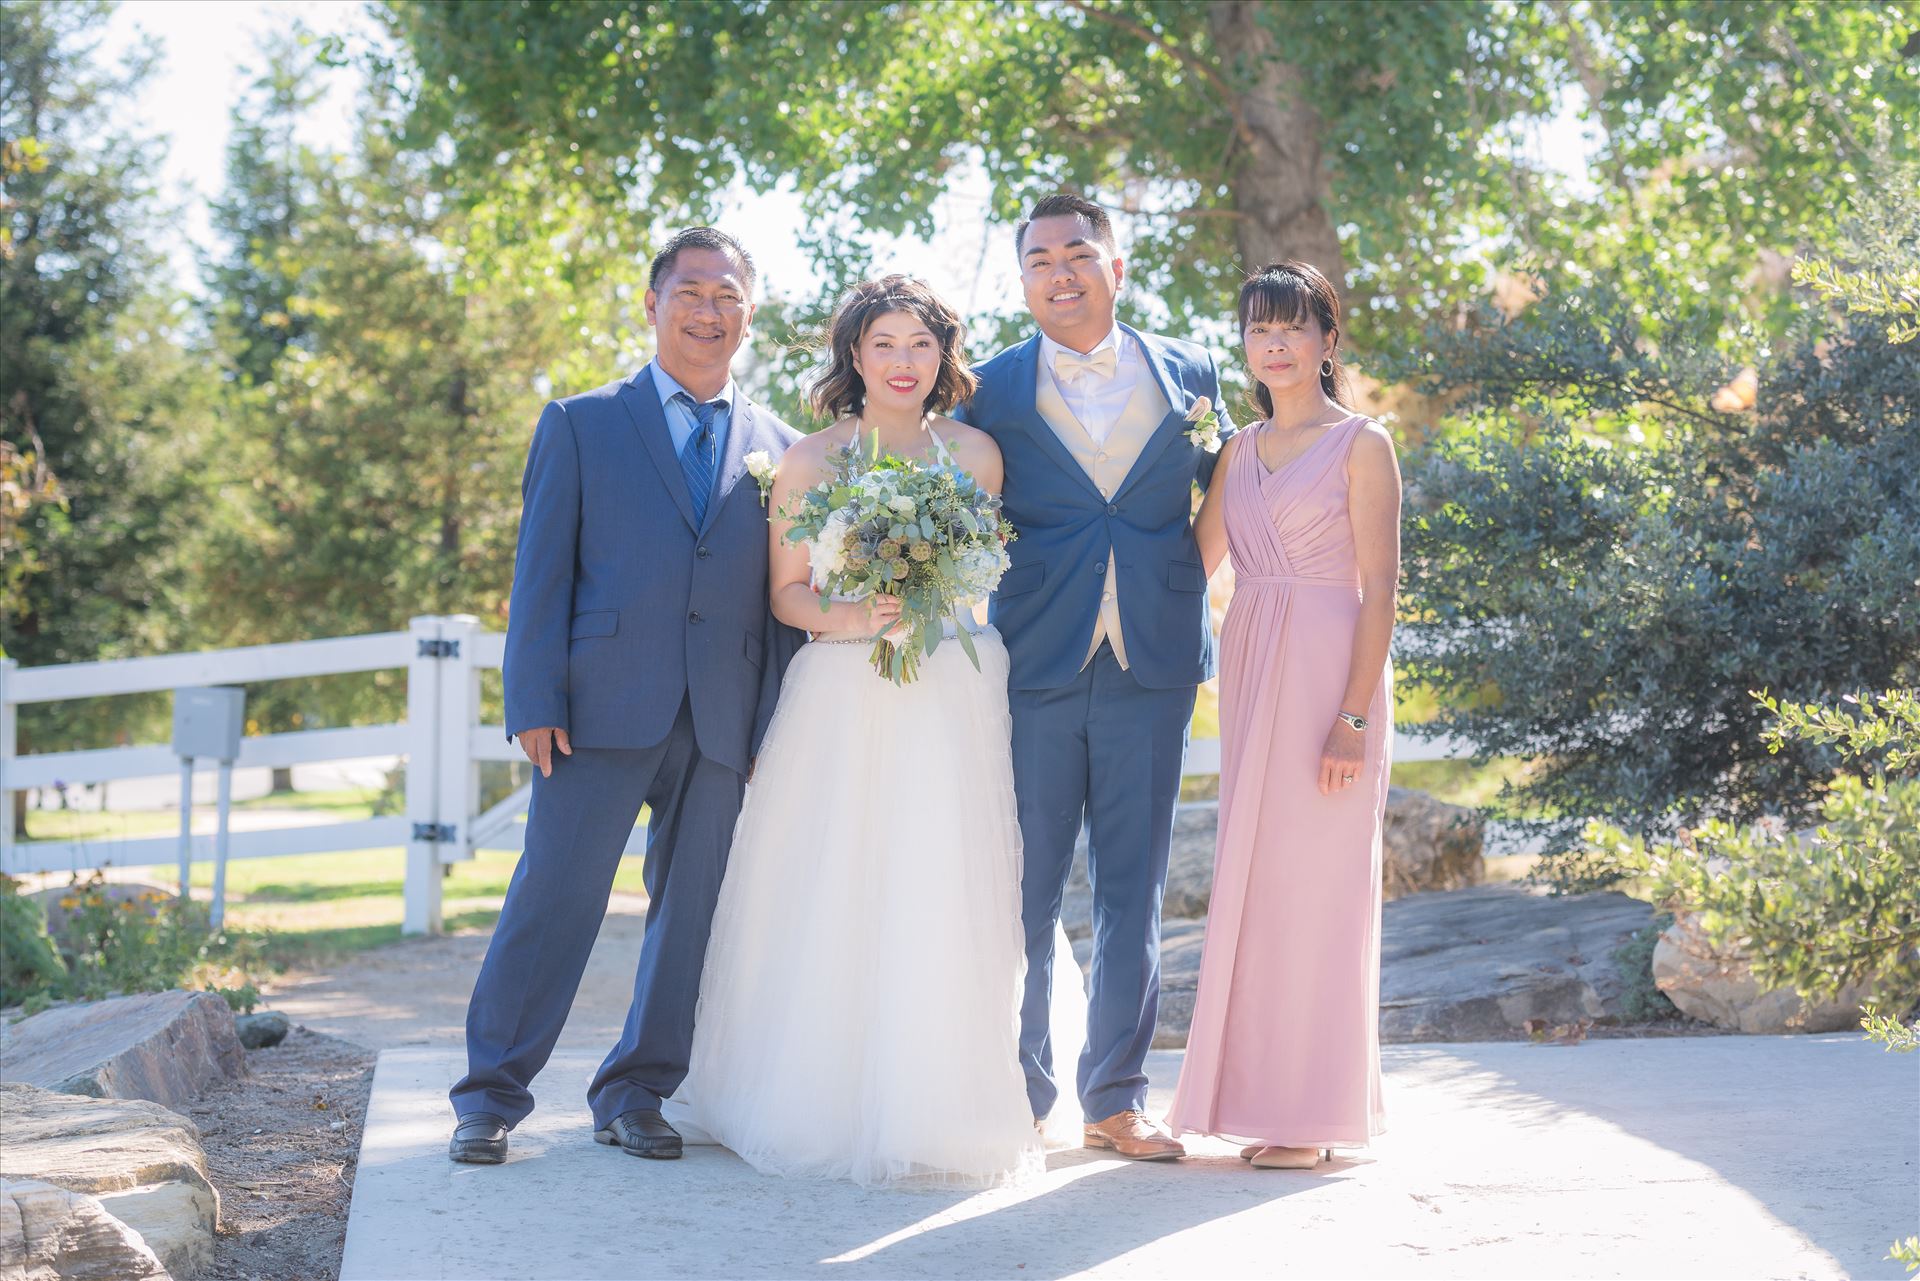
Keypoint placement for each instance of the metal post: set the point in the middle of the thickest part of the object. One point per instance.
(186, 825)
(421, 914)
(220, 845)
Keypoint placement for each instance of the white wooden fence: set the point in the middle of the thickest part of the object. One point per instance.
(442, 740)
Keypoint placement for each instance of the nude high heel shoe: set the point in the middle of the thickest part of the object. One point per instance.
(1277, 1158)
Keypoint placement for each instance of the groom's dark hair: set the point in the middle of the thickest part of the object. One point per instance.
(1067, 202)
(700, 238)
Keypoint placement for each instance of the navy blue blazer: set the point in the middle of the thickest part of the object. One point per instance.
(623, 607)
(1049, 601)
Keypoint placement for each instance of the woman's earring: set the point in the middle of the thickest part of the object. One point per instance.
(1326, 367)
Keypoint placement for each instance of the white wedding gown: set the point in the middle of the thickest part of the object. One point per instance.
(858, 1012)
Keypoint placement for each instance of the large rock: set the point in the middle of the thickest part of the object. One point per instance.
(1430, 845)
(50, 1233)
(140, 1162)
(1718, 987)
(1426, 845)
(166, 1047)
(1477, 964)
(1461, 965)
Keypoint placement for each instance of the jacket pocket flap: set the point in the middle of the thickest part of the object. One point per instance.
(1185, 576)
(595, 622)
(1022, 579)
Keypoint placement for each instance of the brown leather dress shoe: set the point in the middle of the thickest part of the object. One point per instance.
(1134, 1137)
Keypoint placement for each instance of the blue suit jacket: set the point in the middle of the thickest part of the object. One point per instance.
(1049, 601)
(622, 606)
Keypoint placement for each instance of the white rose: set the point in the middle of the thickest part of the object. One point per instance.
(901, 505)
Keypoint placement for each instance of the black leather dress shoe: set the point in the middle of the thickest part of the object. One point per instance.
(641, 1132)
(479, 1139)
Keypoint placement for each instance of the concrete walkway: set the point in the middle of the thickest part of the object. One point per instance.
(1718, 1157)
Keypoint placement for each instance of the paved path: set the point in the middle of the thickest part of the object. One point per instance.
(1719, 1157)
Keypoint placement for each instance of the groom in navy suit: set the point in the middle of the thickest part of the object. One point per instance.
(642, 665)
(1104, 431)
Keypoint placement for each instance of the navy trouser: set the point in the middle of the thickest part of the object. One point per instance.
(577, 825)
(1106, 750)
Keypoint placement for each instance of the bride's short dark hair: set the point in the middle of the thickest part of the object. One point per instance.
(838, 389)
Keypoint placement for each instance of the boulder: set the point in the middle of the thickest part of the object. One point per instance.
(1460, 965)
(50, 1233)
(141, 1163)
(1718, 987)
(166, 1047)
(1430, 845)
(1426, 845)
(262, 1030)
(1478, 964)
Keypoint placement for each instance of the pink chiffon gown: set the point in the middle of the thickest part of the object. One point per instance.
(1285, 1047)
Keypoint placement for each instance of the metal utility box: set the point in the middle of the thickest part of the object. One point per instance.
(208, 722)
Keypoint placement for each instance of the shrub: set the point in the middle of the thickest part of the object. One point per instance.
(1817, 912)
(29, 963)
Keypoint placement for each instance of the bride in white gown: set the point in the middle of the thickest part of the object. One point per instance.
(858, 1009)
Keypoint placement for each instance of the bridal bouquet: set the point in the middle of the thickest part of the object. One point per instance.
(924, 532)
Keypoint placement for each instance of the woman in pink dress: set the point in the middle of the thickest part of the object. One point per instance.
(1284, 1051)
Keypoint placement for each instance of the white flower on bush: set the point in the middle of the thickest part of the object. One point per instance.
(901, 505)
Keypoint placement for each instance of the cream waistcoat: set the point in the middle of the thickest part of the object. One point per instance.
(1106, 463)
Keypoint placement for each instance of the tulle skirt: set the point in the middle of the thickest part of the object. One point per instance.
(858, 1014)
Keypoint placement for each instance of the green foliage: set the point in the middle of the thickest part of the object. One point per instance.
(1907, 1252)
(148, 943)
(103, 404)
(1817, 912)
(29, 963)
(1876, 269)
(1600, 606)
(1641, 1000)
(1728, 131)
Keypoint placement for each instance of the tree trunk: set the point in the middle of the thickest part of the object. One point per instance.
(1280, 187)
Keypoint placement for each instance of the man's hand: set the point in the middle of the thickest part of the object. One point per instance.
(538, 744)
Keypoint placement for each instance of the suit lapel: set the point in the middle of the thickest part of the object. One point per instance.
(1022, 391)
(1172, 425)
(733, 463)
(642, 403)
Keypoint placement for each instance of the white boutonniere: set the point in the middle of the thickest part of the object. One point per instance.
(1205, 431)
(760, 466)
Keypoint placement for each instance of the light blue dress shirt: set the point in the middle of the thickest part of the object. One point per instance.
(680, 420)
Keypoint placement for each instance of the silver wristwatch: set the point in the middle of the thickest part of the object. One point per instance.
(1358, 723)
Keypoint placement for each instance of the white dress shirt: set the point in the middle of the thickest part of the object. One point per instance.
(1096, 400)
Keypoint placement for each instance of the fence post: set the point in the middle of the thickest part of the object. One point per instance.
(9, 730)
(422, 914)
(459, 713)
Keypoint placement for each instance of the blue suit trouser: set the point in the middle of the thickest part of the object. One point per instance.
(1106, 751)
(577, 826)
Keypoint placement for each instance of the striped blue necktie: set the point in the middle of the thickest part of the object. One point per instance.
(696, 460)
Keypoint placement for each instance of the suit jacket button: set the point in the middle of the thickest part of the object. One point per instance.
(1112, 510)
(1101, 568)
(703, 553)
(694, 617)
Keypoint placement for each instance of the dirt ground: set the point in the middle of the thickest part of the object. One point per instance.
(281, 1147)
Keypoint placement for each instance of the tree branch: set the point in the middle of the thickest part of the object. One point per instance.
(1228, 98)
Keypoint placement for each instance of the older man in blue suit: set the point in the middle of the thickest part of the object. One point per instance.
(1105, 431)
(642, 665)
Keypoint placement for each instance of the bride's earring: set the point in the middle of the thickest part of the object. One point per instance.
(1326, 367)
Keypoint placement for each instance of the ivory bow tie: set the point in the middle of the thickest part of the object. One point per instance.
(1070, 366)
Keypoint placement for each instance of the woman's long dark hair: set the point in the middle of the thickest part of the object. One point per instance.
(838, 389)
(1286, 293)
